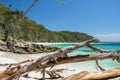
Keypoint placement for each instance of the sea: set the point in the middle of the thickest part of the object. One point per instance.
(72, 68)
(91, 65)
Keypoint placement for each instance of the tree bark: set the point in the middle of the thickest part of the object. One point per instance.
(78, 58)
(96, 49)
(103, 75)
(37, 63)
(55, 58)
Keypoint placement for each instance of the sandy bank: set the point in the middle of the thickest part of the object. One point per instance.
(7, 57)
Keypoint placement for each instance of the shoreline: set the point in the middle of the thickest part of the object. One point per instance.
(8, 57)
(42, 43)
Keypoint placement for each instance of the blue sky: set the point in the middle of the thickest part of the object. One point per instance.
(99, 18)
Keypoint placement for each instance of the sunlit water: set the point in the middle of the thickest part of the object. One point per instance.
(79, 66)
(91, 65)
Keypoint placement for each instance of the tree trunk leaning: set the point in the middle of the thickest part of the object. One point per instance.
(56, 58)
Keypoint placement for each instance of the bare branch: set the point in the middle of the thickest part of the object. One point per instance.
(102, 75)
(22, 68)
(96, 49)
(99, 66)
(56, 58)
(34, 2)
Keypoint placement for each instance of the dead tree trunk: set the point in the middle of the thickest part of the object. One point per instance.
(103, 75)
(78, 58)
(55, 58)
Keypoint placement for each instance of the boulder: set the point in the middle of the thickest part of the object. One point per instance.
(23, 47)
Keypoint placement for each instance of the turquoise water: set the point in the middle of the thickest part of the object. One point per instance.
(91, 65)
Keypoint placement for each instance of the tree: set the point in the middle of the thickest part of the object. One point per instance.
(12, 20)
(56, 58)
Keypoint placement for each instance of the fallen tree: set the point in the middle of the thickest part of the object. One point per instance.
(104, 75)
(56, 58)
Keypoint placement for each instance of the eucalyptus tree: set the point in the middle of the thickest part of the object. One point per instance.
(12, 19)
(11, 22)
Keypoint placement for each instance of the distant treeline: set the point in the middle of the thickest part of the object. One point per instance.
(15, 25)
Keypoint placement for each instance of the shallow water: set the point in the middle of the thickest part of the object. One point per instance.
(79, 66)
(91, 65)
(72, 67)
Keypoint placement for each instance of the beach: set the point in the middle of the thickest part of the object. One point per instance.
(72, 68)
(8, 57)
(44, 39)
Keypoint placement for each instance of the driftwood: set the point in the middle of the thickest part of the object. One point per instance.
(103, 75)
(40, 62)
(55, 58)
(52, 73)
(96, 49)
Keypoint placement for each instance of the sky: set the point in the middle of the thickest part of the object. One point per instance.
(99, 18)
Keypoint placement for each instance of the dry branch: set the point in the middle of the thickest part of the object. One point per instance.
(34, 2)
(80, 58)
(37, 63)
(96, 49)
(99, 50)
(55, 58)
(99, 66)
(103, 75)
(53, 73)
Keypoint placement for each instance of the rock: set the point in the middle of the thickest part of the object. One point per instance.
(2, 49)
(2, 46)
(23, 47)
(2, 43)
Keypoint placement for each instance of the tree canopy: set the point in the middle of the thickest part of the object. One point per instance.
(13, 25)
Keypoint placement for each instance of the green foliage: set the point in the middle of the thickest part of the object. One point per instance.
(16, 25)
(1, 36)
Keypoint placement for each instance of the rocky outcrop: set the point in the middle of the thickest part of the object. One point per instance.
(2, 46)
(23, 47)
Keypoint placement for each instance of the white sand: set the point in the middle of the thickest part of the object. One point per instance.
(7, 57)
(54, 43)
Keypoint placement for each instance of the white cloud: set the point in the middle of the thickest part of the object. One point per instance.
(113, 37)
